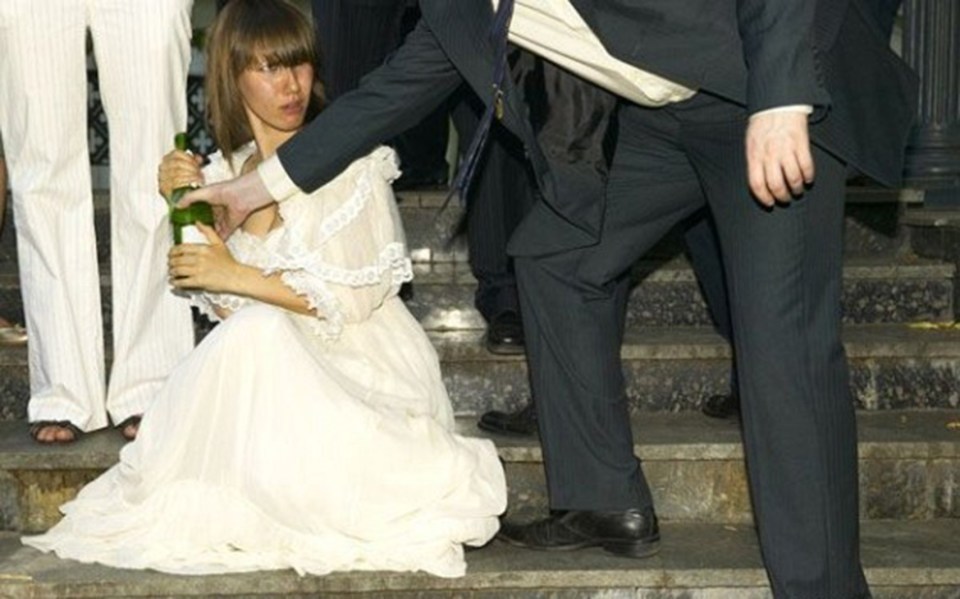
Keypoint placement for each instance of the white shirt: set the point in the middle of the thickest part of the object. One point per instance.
(555, 30)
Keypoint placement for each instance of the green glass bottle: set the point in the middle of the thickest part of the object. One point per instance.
(183, 220)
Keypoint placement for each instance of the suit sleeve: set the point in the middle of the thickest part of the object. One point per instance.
(390, 100)
(778, 47)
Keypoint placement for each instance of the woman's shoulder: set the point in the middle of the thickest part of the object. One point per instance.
(218, 168)
(366, 180)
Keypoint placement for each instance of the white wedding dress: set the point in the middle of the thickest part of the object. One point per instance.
(286, 441)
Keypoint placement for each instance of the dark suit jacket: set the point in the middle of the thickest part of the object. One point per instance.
(760, 53)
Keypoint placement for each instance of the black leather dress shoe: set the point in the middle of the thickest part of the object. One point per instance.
(722, 406)
(505, 334)
(630, 533)
(521, 422)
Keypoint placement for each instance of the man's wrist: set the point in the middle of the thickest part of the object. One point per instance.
(801, 108)
(278, 183)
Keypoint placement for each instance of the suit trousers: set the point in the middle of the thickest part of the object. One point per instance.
(783, 275)
(501, 193)
(142, 51)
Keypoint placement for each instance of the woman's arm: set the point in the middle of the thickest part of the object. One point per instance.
(212, 268)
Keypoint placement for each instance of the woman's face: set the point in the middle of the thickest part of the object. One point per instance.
(276, 97)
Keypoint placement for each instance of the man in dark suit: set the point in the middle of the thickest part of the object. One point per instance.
(734, 80)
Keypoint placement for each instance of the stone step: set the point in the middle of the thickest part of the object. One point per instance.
(670, 369)
(875, 290)
(909, 467)
(903, 560)
(872, 226)
(675, 369)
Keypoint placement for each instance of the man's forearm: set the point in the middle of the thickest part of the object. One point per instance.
(389, 101)
(778, 42)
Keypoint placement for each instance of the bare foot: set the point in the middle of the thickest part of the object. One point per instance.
(130, 427)
(48, 432)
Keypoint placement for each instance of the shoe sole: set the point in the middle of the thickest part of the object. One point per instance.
(630, 549)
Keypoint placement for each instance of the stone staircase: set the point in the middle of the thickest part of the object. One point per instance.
(900, 298)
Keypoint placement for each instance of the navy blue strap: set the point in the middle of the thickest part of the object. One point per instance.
(498, 37)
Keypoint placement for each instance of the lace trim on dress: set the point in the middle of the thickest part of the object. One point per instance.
(207, 302)
(392, 259)
(303, 270)
(311, 283)
(329, 322)
(292, 253)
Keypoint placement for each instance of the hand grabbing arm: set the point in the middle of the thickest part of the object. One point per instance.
(236, 199)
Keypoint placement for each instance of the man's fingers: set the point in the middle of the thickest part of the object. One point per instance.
(773, 172)
(793, 176)
(202, 194)
(758, 182)
(807, 168)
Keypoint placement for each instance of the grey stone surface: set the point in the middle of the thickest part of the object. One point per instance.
(10, 518)
(666, 369)
(910, 468)
(668, 296)
(936, 234)
(676, 369)
(872, 228)
(902, 561)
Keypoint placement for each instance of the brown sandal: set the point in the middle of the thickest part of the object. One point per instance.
(39, 425)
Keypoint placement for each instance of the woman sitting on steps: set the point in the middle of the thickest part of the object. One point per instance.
(311, 429)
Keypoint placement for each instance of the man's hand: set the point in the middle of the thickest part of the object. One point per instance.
(779, 162)
(237, 198)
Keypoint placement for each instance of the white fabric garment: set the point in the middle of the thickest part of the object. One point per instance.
(142, 51)
(555, 30)
(318, 443)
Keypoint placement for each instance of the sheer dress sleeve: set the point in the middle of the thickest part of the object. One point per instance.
(342, 246)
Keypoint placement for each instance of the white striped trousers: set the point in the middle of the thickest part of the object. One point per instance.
(142, 52)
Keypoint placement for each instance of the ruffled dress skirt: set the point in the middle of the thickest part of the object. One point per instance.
(270, 449)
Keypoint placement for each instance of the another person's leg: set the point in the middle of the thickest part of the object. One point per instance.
(784, 277)
(703, 248)
(423, 147)
(143, 51)
(500, 195)
(43, 119)
(354, 38)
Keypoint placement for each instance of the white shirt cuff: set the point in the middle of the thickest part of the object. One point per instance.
(276, 180)
(804, 108)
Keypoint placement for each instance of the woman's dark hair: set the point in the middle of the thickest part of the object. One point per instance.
(243, 34)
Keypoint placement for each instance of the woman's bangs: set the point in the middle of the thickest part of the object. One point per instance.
(288, 47)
